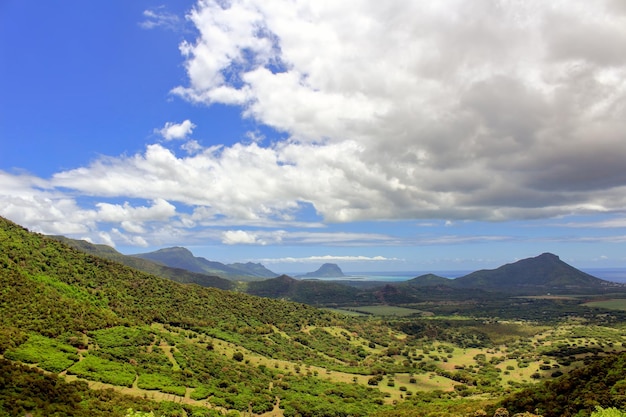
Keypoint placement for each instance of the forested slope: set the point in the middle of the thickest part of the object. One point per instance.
(69, 311)
(175, 274)
(54, 288)
(207, 352)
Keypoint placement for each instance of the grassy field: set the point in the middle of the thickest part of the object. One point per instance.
(521, 356)
(381, 310)
(612, 304)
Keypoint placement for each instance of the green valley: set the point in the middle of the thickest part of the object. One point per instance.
(100, 337)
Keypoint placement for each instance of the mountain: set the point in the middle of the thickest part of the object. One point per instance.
(178, 257)
(325, 271)
(254, 269)
(543, 274)
(539, 275)
(67, 311)
(204, 351)
(312, 292)
(175, 274)
(428, 280)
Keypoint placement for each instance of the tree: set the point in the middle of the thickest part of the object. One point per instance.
(608, 412)
(131, 413)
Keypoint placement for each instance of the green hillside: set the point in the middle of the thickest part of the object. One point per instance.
(182, 258)
(312, 292)
(101, 338)
(175, 274)
(102, 321)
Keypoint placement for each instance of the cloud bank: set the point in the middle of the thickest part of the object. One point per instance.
(453, 110)
(463, 110)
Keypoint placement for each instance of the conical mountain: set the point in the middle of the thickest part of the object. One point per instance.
(429, 280)
(542, 274)
(325, 271)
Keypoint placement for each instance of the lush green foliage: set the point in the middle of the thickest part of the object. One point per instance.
(25, 390)
(175, 274)
(579, 392)
(608, 412)
(65, 310)
(103, 370)
(48, 354)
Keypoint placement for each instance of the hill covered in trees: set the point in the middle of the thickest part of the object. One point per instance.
(182, 258)
(98, 328)
(181, 275)
(542, 274)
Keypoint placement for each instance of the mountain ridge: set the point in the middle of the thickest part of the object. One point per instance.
(180, 257)
(181, 275)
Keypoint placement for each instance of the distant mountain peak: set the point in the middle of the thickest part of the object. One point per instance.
(179, 257)
(547, 255)
(539, 274)
(325, 271)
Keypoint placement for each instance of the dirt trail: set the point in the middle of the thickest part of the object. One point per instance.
(167, 349)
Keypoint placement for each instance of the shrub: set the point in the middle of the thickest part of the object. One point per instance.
(103, 370)
(608, 412)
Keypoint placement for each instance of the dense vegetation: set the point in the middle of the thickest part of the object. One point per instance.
(602, 383)
(24, 390)
(145, 265)
(189, 350)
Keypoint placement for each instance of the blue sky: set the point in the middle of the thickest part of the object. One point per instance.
(439, 135)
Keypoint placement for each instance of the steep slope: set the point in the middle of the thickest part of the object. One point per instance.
(178, 257)
(56, 300)
(51, 287)
(539, 275)
(325, 271)
(175, 274)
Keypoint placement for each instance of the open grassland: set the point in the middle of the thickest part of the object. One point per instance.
(611, 304)
(257, 368)
(383, 310)
(167, 363)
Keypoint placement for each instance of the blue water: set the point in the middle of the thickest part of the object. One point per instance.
(608, 274)
(391, 276)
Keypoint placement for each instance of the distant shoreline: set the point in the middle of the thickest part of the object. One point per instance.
(608, 274)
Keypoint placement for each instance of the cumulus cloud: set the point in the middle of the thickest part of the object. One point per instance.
(175, 131)
(45, 209)
(237, 237)
(160, 210)
(437, 110)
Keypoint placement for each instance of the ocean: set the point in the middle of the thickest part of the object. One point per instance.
(608, 274)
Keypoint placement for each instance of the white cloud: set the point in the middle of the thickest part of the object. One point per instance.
(176, 131)
(237, 237)
(436, 109)
(329, 258)
(160, 210)
(191, 146)
(161, 18)
(614, 223)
